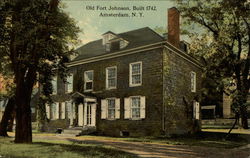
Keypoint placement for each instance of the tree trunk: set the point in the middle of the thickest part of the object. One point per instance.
(23, 132)
(24, 87)
(9, 109)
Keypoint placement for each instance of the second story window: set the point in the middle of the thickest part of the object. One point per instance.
(111, 77)
(193, 81)
(88, 80)
(135, 74)
(69, 84)
(54, 85)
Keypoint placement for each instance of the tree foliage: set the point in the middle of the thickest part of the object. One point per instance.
(36, 37)
(222, 38)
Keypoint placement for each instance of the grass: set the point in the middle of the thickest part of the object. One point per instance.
(57, 149)
(206, 139)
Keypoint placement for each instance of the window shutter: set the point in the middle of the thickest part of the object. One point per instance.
(84, 114)
(197, 110)
(103, 109)
(117, 108)
(93, 114)
(57, 111)
(127, 108)
(47, 110)
(63, 110)
(143, 107)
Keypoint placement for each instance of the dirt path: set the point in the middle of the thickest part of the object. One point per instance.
(157, 150)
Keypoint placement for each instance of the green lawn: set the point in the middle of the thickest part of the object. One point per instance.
(206, 139)
(57, 149)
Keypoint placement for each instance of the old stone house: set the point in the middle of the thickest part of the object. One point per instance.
(132, 83)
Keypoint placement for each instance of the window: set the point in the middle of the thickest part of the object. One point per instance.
(69, 84)
(135, 74)
(193, 81)
(88, 78)
(111, 77)
(135, 107)
(54, 85)
(111, 108)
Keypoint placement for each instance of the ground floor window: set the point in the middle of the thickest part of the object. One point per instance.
(110, 108)
(135, 107)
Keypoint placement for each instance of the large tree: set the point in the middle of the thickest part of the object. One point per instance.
(36, 37)
(221, 36)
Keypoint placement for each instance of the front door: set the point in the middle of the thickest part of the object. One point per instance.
(90, 114)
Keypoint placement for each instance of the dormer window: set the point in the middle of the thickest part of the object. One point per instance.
(107, 37)
(113, 42)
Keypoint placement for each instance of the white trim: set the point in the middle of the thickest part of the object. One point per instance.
(90, 99)
(193, 79)
(130, 74)
(108, 88)
(88, 90)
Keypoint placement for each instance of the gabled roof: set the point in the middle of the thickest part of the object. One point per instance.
(136, 38)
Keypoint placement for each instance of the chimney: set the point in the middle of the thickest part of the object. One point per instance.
(174, 27)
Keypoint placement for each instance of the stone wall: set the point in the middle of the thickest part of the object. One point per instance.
(178, 98)
(151, 88)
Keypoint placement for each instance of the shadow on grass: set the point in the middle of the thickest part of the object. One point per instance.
(210, 139)
(88, 150)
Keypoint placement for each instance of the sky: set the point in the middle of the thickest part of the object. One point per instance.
(93, 26)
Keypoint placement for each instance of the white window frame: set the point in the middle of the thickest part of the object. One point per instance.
(108, 118)
(193, 81)
(85, 82)
(67, 90)
(107, 69)
(130, 74)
